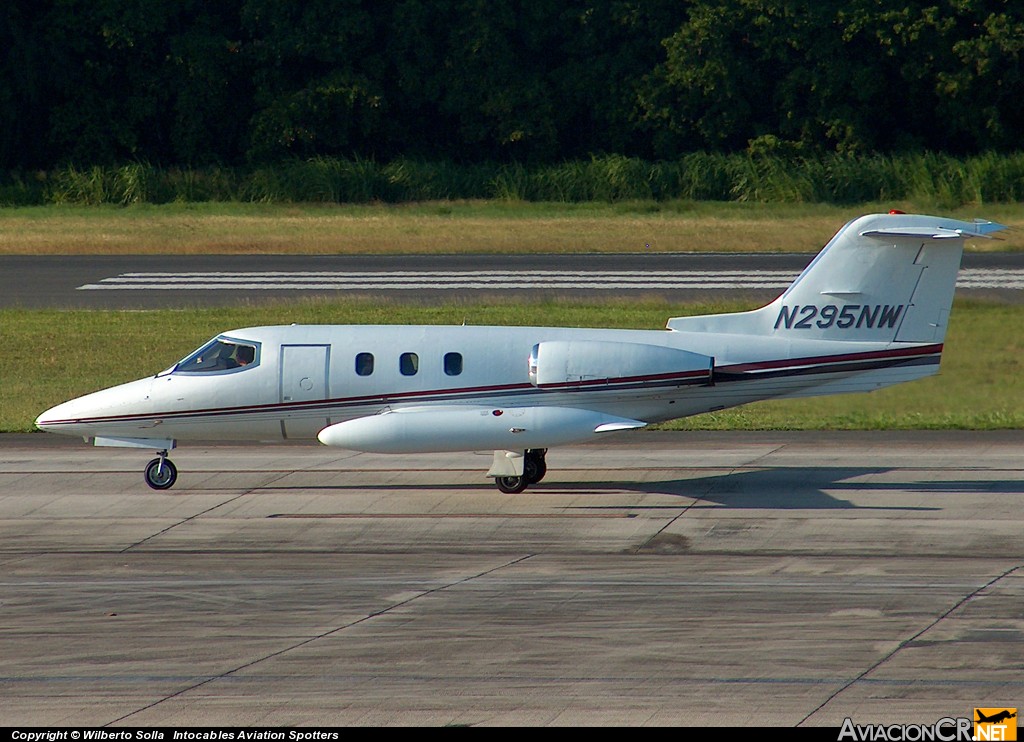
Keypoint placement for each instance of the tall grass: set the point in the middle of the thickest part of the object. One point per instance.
(825, 178)
(137, 183)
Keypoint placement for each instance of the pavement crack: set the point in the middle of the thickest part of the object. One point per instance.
(756, 462)
(956, 606)
(331, 632)
(201, 513)
(646, 542)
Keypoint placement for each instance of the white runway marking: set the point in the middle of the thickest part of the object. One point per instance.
(519, 280)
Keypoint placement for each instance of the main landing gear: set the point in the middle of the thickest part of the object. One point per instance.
(534, 469)
(161, 473)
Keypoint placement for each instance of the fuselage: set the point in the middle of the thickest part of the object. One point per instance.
(302, 379)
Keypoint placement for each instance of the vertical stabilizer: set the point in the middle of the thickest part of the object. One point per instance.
(883, 278)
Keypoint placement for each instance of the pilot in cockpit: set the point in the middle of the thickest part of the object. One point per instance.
(245, 355)
(226, 357)
(233, 356)
(218, 355)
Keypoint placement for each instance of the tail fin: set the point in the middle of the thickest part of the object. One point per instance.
(883, 278)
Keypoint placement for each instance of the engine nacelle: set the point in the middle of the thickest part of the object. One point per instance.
(572, 363)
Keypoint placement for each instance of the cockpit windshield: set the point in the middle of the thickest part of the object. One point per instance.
(220, 354)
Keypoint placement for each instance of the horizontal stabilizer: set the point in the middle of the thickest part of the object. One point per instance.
(984, 230)
(917, 233)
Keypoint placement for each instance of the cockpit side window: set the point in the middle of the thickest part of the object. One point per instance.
(221, 354)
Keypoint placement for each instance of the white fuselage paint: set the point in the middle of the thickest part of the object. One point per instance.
(306, 379)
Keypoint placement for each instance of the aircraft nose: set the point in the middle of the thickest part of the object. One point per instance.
(60, 418)
(49, 417)
(65, 412)
(84, 415)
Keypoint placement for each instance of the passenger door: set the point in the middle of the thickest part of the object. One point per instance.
(304, 370)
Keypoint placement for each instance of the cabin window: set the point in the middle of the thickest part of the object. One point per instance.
(409, 364)
(453, 364)
(364, 364)
(221, 354)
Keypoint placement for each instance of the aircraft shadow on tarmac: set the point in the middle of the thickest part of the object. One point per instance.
(770, 488)
(785, 488)
(806, 488)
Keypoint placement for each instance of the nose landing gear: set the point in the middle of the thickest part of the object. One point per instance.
(161, 473)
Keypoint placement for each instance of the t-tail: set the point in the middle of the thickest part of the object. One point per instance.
(883, 278)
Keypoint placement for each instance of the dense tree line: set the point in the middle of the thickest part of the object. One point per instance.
(233, 82)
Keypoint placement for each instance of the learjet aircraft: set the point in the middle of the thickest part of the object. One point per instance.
(869, 311)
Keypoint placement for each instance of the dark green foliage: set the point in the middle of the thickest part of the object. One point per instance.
(855, 76)
(538, 99)
(19, 189)
(160, 80)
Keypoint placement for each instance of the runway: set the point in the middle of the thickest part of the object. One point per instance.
(156, 282)
(655, 579)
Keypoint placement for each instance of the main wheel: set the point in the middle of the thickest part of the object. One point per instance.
(511, 485)
(161, 477)
(534, 466)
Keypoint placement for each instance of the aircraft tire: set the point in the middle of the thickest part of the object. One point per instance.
(511, 485)
(161, 478)
(534, 470)
(535, 467)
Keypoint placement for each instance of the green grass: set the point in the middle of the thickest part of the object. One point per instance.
(50, 356)
(452, 227)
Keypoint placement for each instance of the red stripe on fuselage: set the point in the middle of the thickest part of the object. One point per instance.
(921, 350)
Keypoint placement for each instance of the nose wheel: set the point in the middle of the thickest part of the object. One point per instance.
(161, 473)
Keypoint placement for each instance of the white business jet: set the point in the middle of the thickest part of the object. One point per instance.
(869, 311)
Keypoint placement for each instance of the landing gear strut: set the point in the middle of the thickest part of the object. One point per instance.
(161, 473)
(534, 469)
